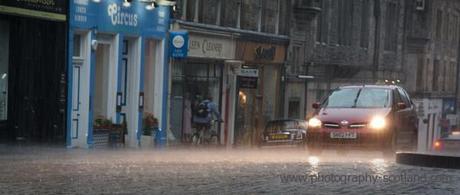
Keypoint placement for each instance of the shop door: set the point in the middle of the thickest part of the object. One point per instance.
(36, 80)
(76, 101)
(245, 113)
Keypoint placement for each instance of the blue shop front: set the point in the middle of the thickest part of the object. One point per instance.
(117, 71)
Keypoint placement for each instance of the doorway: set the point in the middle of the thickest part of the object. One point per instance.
(32, 80)
(101, 83)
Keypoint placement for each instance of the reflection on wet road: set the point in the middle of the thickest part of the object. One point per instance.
(50, 170)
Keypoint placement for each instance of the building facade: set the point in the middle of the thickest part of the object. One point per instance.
(117, 68)
(341, 42)
(431, 65)
(236, 55)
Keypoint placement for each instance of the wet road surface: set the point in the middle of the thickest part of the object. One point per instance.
(51, 170)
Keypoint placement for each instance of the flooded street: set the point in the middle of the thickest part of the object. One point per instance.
(48, 170)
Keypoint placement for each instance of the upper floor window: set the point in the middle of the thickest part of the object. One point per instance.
(269, 17)
(250, 14)
(208, 12)
(391, 27)
(229, 16)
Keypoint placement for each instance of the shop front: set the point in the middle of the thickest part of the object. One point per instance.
(32, 71)
(116, 70)
(257, 89)
(200, 75)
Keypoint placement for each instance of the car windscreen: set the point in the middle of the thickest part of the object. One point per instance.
(358, 98)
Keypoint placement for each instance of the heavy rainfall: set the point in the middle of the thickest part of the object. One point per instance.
(229, 97)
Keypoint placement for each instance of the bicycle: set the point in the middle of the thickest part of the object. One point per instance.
(203, 134)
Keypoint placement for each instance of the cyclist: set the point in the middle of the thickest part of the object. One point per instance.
(203, 118)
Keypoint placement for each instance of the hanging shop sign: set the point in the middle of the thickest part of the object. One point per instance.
(202, 46)
(46, 9)
(179, 44)
(113, 16)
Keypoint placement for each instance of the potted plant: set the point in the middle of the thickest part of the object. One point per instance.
(150, 123)
(102, 124)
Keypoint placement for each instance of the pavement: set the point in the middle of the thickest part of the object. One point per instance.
(55, 170)
(448, 160)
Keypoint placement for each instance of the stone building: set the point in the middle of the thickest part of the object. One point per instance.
(236, 53)
(341, 42)
(431, 63)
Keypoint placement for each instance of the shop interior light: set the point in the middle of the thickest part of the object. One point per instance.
(96, 1)
(4, 76)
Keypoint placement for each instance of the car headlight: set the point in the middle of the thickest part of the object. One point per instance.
(377, 123)
(314, 122)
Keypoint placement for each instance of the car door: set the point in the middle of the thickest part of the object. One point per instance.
(408, 118)
(398, 113)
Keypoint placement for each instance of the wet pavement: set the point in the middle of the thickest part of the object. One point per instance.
(52, 170)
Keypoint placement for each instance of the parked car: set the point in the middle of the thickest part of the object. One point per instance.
(364, 117)
(285, 131)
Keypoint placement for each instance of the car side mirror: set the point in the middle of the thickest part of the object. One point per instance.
(316, 105)
(401, 105)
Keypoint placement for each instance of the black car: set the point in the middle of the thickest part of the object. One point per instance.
(285, 131)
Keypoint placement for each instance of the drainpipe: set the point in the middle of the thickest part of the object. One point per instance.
(376, 40)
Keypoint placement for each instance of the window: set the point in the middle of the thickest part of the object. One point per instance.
(191, 10)
(405, 98)
(420, 75)
(396, 97)
(345, 22)
(322, 34)
(358, 98)
(435, 75)
(283, 12)
(250, 14)
(76, 45)
(438, 24)
(230, 13)
(391, 27)
(269, 14)
(364, 42)
(294, 108)
(208, 11)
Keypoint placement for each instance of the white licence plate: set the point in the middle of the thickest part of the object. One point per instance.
(343, 135)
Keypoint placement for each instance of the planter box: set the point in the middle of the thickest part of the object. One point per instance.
(147, 141)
